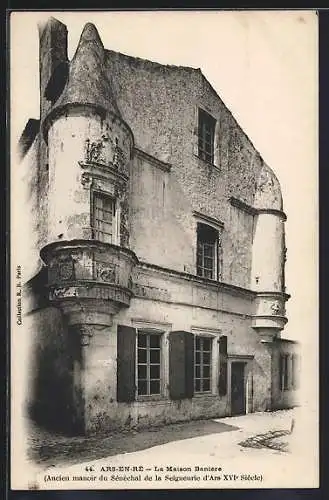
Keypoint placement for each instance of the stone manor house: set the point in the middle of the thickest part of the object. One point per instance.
(155, 286)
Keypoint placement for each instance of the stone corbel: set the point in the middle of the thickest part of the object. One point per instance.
(86, 180)
(86, 333)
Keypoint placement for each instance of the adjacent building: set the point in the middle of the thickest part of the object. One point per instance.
(155, 273)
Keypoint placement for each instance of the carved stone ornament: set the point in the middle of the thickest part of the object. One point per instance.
(62, 292)
(86, 180)
(106, 273)
(120, 191)
(65, 268)
(124, 231)
(94, 151)
(119, 158)
(76, 257)
(151, 292)
(276, 308)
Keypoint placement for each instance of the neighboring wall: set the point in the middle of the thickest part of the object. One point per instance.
(25, 212)
(49, 370)
(285, 395)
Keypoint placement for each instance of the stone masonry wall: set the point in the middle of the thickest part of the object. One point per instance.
(160, 104)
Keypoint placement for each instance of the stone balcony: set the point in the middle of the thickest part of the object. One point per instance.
(88, 279)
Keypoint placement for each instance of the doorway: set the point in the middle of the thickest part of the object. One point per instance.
(238, 392)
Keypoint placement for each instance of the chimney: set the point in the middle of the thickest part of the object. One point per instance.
(52, 56)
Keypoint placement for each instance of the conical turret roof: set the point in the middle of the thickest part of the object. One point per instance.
(87, 80)
(268, 190)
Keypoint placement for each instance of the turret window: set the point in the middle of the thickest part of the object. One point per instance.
(103, 217)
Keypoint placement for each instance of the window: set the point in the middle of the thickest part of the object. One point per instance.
(103, 217)
(284, 358)
(202, 364)
(294, 370)
(148, 364)
(206, 136)
(207, 251)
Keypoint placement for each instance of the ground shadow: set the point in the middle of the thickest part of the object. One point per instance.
(56, 450)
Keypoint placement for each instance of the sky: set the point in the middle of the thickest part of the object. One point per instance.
(264, 67)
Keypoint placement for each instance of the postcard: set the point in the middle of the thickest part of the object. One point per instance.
(164, 228)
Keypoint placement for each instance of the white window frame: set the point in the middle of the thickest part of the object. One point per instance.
(214, 269)
(218, 226)
(213, 334)
(163, 330)
(202, 365)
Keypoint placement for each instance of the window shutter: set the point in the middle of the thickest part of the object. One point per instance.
(286, 380)
(295, 371)
(222, 380)
(281, 372)
(126, 364)
(181, 365)
(288, 369)
(189, 364)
